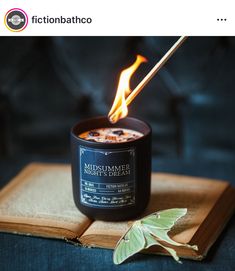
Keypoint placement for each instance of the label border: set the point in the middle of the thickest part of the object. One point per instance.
(106, 152)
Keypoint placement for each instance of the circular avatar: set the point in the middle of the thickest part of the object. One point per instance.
(16, 20)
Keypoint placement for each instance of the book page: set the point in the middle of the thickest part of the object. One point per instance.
(41, 195)
(168, 191)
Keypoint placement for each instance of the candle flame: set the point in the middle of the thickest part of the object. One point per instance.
(123, 91)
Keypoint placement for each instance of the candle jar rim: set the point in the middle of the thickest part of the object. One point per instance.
(126, 123)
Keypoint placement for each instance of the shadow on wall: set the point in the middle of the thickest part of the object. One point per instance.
(49, 83)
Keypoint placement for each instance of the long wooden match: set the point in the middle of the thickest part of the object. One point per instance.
(152, 72)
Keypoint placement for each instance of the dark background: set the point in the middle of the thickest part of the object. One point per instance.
(47, 84)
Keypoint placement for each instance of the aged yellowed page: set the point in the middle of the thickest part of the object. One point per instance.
(41, 196)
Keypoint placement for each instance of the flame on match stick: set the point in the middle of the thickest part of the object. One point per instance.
(124, 95)
(123, 91)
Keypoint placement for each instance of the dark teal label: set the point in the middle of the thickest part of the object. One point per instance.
(107, 177)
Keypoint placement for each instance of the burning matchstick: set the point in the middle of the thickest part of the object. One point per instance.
(115, 114)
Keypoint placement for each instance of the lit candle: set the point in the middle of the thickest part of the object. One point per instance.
(111, 167)
(111, 160)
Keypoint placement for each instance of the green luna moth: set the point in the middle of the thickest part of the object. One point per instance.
(150, 231)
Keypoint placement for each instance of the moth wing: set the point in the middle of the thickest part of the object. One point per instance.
(164, 219)
(162, 235)
(172, 252)
(151, 241)
(161, 225)
(132, 242)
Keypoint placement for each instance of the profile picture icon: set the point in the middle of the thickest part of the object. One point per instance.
(16, 19)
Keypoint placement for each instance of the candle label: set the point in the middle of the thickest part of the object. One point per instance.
(107, 177)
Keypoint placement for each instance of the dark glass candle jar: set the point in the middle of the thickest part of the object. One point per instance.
(111, 181)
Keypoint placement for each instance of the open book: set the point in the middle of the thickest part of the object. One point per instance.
(39, 202)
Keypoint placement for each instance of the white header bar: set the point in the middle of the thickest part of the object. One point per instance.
(119, 18)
